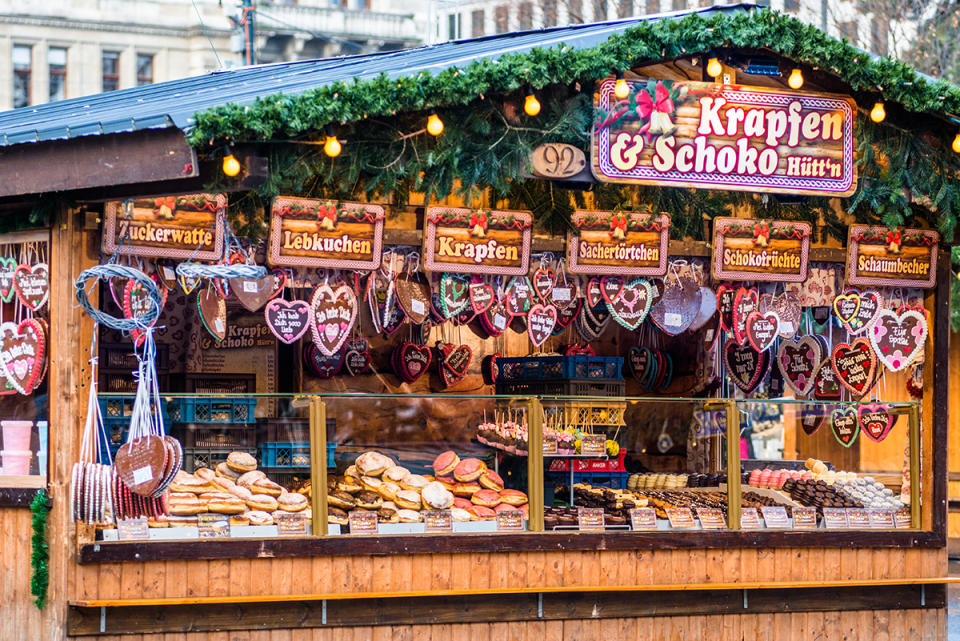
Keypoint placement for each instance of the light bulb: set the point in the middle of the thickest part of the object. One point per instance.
(796, 79)
(714, 68)
(332, 146)
(434, 124)
(531, 105)
(956, 144)
(878, 113)
(621, 89)
(231, 166)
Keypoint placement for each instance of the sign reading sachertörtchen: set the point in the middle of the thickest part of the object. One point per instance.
(713, 136)
(622, 243)
(477, 241)
(326, 234)
(745, 249)
(166, 227)
(894, 257)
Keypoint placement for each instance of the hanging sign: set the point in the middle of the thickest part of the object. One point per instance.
(760, 250)
(608, 242)
(477, 241)
(892, 257)
(327, 234)
(167, 227)
(712, 136)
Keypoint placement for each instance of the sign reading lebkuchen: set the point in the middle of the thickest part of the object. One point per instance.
(328, 234)
(707, 135)
(166, 227)
(894, 257)
(745, 249)
(621, 243)
(477, 241)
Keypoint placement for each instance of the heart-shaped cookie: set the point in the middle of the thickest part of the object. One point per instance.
(413, 294)
(843, 422)
(745, 302)
(898, 337)
(541, 319)
(826, 386)
(412, 361)
(708, 307)
(567, 314)
(870, 304)
(141, 464)
(798, 359)
(611, 287)
(519, 296)
(455, 363)
(631, 305)
(356, 356)
(22, 354)
(678, 307)
(746, 367)
(846, 305)
(592, 321)
(332, 315)
(137, 304)
(288, 320)
(31, 283)
(594, 292)
(496, 319)
(213, 312)
(454, 294)
(8, 265)
(543, 280)
(322, 365)
(875, 420)
(481, 297)
(253, 293)
(726, 293)
(855, 365)
(639, 360)
(489, 369)
(812, 416)
(762, 329)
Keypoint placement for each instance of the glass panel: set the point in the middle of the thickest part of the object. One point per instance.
(21, 76)
(110, 70)
(57, 68)
(144, 69)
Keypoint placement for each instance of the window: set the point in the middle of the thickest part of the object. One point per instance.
(625, 8)
(791, 5)
(476, 23)
(599, 10)
(575, 11)
(110, 71)
(879, 28)
(144, 69)
(848, 30)
(679, 5)
(57, 68)
(501, 16)
(525, 16)
(21, 75)
(453, 26)
(653, 6)
(549, 13)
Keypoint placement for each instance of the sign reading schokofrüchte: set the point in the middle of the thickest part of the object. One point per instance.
(166, 227)
(624, 243)
(760, 250)
(713, 136)
(318, 233)
(477, 241)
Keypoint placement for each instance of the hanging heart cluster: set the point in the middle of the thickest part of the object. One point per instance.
(24, 282)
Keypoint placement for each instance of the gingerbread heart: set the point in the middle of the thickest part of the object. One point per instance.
(898, 337)
(788, 309)
(412, 361)
(413, 294)
(213, 312)
(481, 297)
(253, 293)
(678, 307)
(746, 367)
(456, 360)
(22, 354)
(541, 319)
(356, 357)
(611, 287)
(137, 304)
(875, 420)
(855, 365)
(846, 306)
(843, 422)
(812, 416)
(322, 365)
(745, 302)
(332, 315)
(564, 295)
(594, 292)
(798, 359)
(762, 329)
(454, 294)
(489, 369)
(639, 359)
(543, 280)
(826, 386)
(631, 305)
(288, 320)
(870, 304)
(496, 318)
(726, 293)
(187, 284)
(592, 321)
(8, 265)
(567, 314)
(519, 296)
(32, 285)
(141, 463)
(708, 307)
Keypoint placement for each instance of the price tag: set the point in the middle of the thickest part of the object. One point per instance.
(142, 475)
(786, 327)
(708, 335)
(643, 518)
(711, 518)
(672, 319)
(213, 526)
(901, 518)
(750, 519)
(363, 522)
(681, 518)
(804, 518)
(593, 444)
(418, 306)
(293, 524)
(590, 518)
(834, 517)
(654, 290)
(438, 521)
(561, 293)
(250, 286)
(168, 273)
(880, 518)
(775, 516)
(857, 517)
(219, 325)
(510, 521)
(132, 529)
(550, 443)
(499, 321)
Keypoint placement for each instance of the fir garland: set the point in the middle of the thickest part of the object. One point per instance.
(39, 551)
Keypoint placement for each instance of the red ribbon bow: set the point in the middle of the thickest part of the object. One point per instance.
(169, 201)
(661, 101)
(328, 212)
(618, 222)
(893, 237)
(478, 218)
(761, 230)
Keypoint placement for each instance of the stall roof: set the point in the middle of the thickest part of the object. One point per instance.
(174, 103)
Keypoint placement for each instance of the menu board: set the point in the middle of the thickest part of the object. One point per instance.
(804, 518)
(363, 522)
(681, 518)
(326, 234)
(775, 516)
(711, 518)
(593, 444)
(892, 257)
(750, 519)
(643, 518)
(438, 521)
(185, 227)
(590, 518)
(213, 526)
(477, 241)
(834, 517)
(760, 250)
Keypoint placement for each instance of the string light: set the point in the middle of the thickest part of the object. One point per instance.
(332, 146)
(231, 166)
(878, 113)
(956, 144)
(531, 105)
(796, 79)
(714, 68)
(621, 89)
(434, 124)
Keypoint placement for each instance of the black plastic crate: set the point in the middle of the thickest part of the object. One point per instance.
(293, 429)
(563, 387)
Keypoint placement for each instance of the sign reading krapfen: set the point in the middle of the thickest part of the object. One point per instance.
(328, 234)
(623, 243)
(894, 257)
(760, 250)
(166, 227)
(477, 241)
(707, 135)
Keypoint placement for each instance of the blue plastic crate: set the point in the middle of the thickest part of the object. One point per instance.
(559, 367)
(116, 409)
(291, 454)
(215, 410)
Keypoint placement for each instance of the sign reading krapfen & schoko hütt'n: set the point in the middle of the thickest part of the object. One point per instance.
(477, 241)
(624, 243)
(713, 136)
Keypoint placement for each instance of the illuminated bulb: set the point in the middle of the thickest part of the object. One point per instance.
(621, 90)
(332, 147)
(434, 124)
(796, 79)
(231, 166)
(531, 105)
(878, 113)
(956, 144)
(714, 68)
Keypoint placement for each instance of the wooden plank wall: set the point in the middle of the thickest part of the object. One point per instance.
(20, 620)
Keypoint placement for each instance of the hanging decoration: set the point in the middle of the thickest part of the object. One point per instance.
(798, 359)
(762, 329)
(322, 365)
(631, 305)
(898, 337)
(32, 285)
(855, 365)
(745, 366)
(288, 320)
(356, 357)
(875, 420)
(8, 266)
(213, 312)
(410, 361)
(843, 422)
(745, 302)
(332, 315)
(541, 320)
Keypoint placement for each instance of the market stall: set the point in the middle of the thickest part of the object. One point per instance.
(619, 318)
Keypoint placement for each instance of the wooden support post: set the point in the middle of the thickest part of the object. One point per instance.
(535, 464)
(318, 465)
(733, 466)
(915, 476)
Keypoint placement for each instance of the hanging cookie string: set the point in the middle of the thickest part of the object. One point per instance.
(222, 269)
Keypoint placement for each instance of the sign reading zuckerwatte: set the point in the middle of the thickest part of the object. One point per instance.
(713, 136)
(624, 243)
(892, 257)
(477, 241)
(166, 227)
(326, 234)
(765, 250)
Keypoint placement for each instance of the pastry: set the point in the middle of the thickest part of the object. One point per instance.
(371, 483)
(349, 484)
(241, 462)
(491, 480)
(161, 522)
(259, 517)
(444, 464)
(293, 502)
(395, 474)
(459, 514)
(181, 521)
(387, 516)
(336, 515)
(224, 482)
(249, 478)
(389, 505)
(266, 486)
(436, 496)
(372, 463)
(461, 503)
(486, 498)
(409, 516)
(469, 469)
(241, 492)
(447, 481)
(205, 473)
(223, 470)
(389, 489)
(341, 499)
(352, 473)
(191, 484)
(185, 505)
(513, 497)
(262, 502)
(408, 499)
(226, 505)
(239, 519)
(413, 482)
(504, 507)
(369, 500)
(466, 490)
(481, 513)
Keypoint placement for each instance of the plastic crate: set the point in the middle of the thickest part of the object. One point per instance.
(594, 412)
(568, 387)
(612, 480)
(197, 457)
(215, 410)
(116, 409)
(291, 454)
(559, 367)
(237, 438)
(615, 464)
